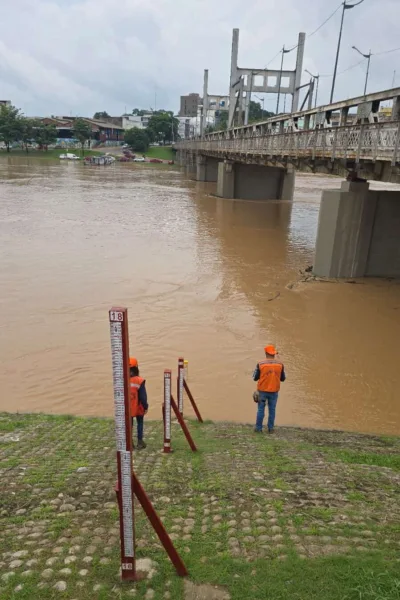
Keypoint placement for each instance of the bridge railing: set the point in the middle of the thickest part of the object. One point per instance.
(374, 141)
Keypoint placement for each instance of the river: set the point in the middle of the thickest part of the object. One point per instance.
(211, 279)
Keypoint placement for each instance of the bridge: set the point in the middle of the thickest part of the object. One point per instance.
(359, 229)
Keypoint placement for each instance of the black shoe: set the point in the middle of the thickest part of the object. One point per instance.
(141, 445)
(271, 430)
(257, 430)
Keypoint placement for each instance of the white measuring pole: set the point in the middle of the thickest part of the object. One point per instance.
(118, 318)
(167, 411)
(181, 377)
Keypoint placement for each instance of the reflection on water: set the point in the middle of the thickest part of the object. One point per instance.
(202, 277)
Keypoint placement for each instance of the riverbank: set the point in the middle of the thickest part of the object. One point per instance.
(303, 514)
(53, 154)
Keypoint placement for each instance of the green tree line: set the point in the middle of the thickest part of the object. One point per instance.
(256, 113)
(16, 128)
(162, 128)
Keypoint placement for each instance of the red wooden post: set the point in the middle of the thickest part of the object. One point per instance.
(192, 401)
(183, 425)
(118, 318)
(158, 527)
(167, 411)
(181, 375)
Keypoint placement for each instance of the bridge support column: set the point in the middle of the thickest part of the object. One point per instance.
(207, 168)
(255, 182)
(226, 180)
(180, 158)
(191, 169)
(358, 233)
(288, 179)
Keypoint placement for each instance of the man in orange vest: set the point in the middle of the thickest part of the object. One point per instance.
(269, 373)
(138, 400)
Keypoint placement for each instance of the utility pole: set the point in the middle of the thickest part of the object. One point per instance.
(368, 56)
(394, 79)
(345, 7)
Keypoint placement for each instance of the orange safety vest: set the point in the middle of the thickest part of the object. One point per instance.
(270, 375)
(137, 409)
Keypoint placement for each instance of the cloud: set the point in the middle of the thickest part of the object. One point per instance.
(79, 56)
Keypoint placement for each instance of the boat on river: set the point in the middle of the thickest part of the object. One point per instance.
(106, 159)
(69, 156)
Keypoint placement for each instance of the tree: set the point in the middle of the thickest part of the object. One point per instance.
(256, 113)
(103, 114)
(138, 112)
(10, 125)
(45, 135)
(164, 127)
(137, 139)
(83, 132)
(28, 132)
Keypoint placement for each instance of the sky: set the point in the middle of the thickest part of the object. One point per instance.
(76, 57)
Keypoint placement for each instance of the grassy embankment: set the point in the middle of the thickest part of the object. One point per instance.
(302, 515)
(163, 152)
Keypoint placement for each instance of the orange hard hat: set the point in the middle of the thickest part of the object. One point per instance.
(133, 362)
(270, 349)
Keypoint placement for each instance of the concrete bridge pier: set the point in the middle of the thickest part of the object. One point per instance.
(191, 169)
(207, 168)
(358, 232)
(254, 182)
(182, 158)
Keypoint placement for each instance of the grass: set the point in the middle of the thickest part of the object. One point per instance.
(163, 152)
(53, 154)
(316, 545)
(391, 461)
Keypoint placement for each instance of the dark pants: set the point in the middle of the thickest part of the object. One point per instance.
(140, 424)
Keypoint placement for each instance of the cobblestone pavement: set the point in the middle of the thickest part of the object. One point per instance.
(243, 500)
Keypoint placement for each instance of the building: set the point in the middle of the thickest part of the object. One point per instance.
(5, 102)
(103, 132)
(184, 127)
(190, 105)
(129, 121)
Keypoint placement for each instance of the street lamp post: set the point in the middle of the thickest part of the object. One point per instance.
(315, 77)
(345, 7)
(368, 56)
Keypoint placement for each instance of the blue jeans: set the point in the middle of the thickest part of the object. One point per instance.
(272, 399)
(140, 424)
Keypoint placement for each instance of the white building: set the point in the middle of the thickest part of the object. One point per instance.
(129, 121)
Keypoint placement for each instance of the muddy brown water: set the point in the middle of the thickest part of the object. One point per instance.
(203, 277)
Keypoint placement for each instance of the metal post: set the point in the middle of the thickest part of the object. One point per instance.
(279, 82)
(337, 53)
(234, 77)
(203, 123)
(248, 100)
(167, 411)
(366, 78)
(345, 7)
(311, 93)
(316, 90)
